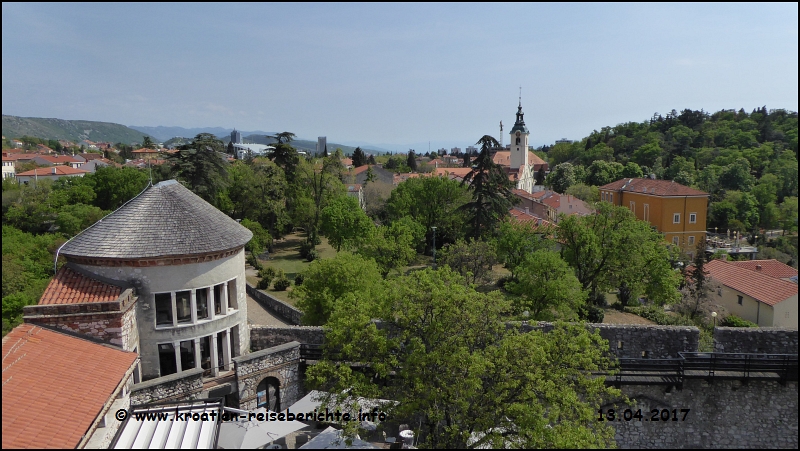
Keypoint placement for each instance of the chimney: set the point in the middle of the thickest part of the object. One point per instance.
(758, 267)
(54, 170)
(527, 210)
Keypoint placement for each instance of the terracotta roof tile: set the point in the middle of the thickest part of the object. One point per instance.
(68, 379)
(772, 268)
(656, 187)
(70, 287)
(54, 170)
(764, 288)
(527, 218)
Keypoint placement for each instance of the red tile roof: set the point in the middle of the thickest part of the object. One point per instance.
(655, 187)
(527, 218)
(764, 288)
(503, 158)
(70, 287)
(772, 268)
(145, 150)
(360, 169)
(65, 378)
(51, 171)
(458, 173)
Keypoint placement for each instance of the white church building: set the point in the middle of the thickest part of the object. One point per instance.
(520, 163)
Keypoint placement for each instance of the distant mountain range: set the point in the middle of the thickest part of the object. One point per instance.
(163, 133)
(76, 131)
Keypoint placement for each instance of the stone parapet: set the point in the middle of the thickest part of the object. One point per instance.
(263, 337)
(183, 386)
(756, 340)
(285, 311)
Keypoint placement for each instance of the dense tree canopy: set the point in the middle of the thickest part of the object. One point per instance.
(466, 379)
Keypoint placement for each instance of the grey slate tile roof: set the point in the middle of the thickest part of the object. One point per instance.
(165, 220)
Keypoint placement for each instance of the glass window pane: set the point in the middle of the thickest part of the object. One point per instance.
(163, 309)
(187, 355)
(166, 356)
(205, 354)
(183, 305)
(218, 299)
(201, 297)
(232, 294)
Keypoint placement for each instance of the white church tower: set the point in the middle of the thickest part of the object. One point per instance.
(519, 141)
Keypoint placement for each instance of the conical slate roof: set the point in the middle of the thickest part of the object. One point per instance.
(165, 220)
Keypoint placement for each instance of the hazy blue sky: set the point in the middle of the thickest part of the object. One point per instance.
(395, 74)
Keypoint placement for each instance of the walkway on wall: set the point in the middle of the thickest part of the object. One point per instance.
(708, 366)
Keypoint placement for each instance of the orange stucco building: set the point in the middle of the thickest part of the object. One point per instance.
(675, 210)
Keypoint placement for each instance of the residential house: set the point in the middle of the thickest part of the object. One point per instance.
(88, 144)
(146, 154)
(57, 160)
(525, 217)
(772, 268)
(533, 205)
(675, 210)
(9, 163)
(41, 148)
(51, 173)
(754, 296)
(347, 163)
(46, 370)
(17, 143)
(563, 203)
(92, 165)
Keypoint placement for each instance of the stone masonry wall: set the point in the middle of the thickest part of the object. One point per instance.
(275, 305)
(771, 340)
(111, 322)
(631, 341)
(281, 362)
(723, 414)
(176, 387)
(263, 337)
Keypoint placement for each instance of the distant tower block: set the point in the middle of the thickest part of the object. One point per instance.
(322, 144)
(236, 136)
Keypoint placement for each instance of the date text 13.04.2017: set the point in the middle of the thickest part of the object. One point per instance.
(637, 415)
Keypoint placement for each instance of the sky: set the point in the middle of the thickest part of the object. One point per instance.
(395, 75)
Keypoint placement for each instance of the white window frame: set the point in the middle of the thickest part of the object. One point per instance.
(646, 212)
(225, 309)
(692, 218)
(633, 207)
(676, 240)
(676, 218)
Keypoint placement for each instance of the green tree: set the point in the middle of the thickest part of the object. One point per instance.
(612, 248)
(72, 219)
(545, 283)
(561, 177)
(331, 281)
(201, 165)
(115, 186)
(148, 143)
(491, 191)
(465, 379)
(602, 172)
(586, 193)
(261, 238)
(359, 157)
(411, 161)
(431, 202)
(286, 138)
(344, 222)
(392, 246)
(319, 182)
(473, 260)
(517, 240)
(287, 158)
(788, 215)
(632, 170)
(736, 176)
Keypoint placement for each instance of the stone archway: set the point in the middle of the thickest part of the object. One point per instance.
(268, 394)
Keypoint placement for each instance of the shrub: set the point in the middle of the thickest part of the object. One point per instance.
(305, 248)
(592, 313)
(501, 282)
(598, 299)
(735, 321)
(298, 279)
(282, 283)
(253, 261)
(312, 255)
(267, 274)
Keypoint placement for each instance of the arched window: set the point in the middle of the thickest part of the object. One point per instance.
(517, 140)
(268, 394)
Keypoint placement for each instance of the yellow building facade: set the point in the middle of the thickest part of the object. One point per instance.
(675, 210)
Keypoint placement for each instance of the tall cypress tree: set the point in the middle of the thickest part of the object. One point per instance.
(491, 191)
(412, 161)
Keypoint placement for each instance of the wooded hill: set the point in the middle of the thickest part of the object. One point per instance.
(76, 131)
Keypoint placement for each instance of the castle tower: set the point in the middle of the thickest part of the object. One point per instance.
(519, 141)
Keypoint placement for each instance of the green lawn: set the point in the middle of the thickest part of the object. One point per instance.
(286, 256)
